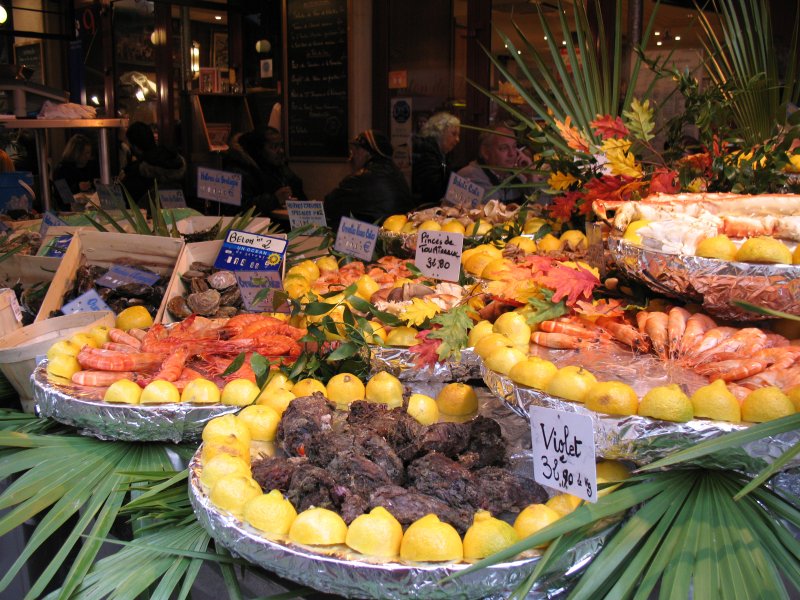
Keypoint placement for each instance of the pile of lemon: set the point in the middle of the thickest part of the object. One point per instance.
(225, 473)
(401, 224)
(504, 349)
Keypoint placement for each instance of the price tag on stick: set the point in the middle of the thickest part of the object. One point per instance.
(305, 212)
(439, 254)
(563, 452)
(356, 238)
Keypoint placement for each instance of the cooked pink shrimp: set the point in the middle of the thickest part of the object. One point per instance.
(696, 326)
(710, 339)
(556, 340)
(100, 378)
(745, 341)
(120, 337)
(173, 365)
(119, 347)
(676, 326)
(625, 333)
(110, 360)
(641, 320)
(656, 330)
(137, 333)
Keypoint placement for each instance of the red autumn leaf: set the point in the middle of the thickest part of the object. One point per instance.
(698, 162)
(584, 208)
(539, 265)
(570, 283)
(427, 350)
(611, 187)
(608, 127)
(562, 206)
(603, 308)
(664, 181)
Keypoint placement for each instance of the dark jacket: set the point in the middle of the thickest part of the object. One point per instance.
(160, 166)
(430, 171)
(74, 175)
(370, 194)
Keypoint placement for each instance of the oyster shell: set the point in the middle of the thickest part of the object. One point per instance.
(201, 267)
(187, 276)
(198, 284)
(204, 303)
(221, 280)
(231, 297)
(225, 312)
(178, 307)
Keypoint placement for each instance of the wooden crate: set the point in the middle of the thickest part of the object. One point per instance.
(196, 224)
(106, 249)
(28, 269)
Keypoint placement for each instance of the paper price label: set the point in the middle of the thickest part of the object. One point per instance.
(89, 301)
(172, 199)
(462, 192)
(221, 186)
(244, 251)
(563, 452)
(119, 275)
(50, 219)
(356, 238)
(439, 254)
(11, 298)
(306, 212)
(110, 196)
(252, 285)
(58, 245)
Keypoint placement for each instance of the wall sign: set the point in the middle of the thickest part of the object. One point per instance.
(30, 55)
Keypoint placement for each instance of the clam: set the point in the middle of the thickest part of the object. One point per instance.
(221, 280)
(178, 307)
(204, 303)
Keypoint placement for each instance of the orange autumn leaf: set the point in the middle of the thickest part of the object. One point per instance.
(570, 283)
(602, 308)
(607, 127)
(572, 136)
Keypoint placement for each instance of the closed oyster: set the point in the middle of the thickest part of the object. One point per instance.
(201, 266)
(231, 297)
(204, 303)
(225, 312)
(221, 280)
(178, 307)
(198, 284)
(187, 276)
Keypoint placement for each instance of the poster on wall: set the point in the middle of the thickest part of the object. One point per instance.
(30, 56)
(401, 129)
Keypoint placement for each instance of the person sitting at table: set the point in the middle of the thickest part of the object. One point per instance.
(375, 189)
(430, 167)
(281, 180)
(77, 167)
(151, 164)
(498, 158)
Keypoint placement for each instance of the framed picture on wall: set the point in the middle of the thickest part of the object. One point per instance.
(208, 83)
(219, 50)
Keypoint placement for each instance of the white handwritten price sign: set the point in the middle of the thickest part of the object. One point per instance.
(356, 238)
(563, 452)
(462, 192)
(439, 254)
(305, 212)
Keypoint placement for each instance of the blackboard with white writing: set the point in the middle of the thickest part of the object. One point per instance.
(316, 90)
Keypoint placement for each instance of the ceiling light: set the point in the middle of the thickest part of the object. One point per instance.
(139, 95)
(658, 43)
(656, 33)
(3, 15)
(95, 100)
(217, 18)
(677, 38)
(563, 42)
(545, 38)
(519, 51)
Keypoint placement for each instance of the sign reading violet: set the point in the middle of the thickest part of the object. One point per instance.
(462, 192)
(563, 452)
(439, 254)
(221, 186)
(306, 212)
(356, 238)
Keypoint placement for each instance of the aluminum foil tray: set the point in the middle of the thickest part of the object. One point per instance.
(67, 404)
(400, 363)
(714, 283)
(643, 440)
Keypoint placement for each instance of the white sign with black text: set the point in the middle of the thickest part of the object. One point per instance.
(439, 254)
(306, 212)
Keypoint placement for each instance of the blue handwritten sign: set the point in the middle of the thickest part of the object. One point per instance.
(462, 192)
(111, 197)
(305, 212)
(172, 198)
(221, 186)
(89, 301)
(245, 251)
(356, 238)
(119, 275)
(50, 219)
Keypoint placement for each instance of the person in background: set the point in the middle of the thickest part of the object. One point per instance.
(430, 169)
(498, 158)
(375, 189)
(77, 167)
(281, 180)
(151, 164)
(6, 164)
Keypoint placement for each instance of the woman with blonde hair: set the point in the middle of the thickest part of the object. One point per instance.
(77, 167)
(430, 169)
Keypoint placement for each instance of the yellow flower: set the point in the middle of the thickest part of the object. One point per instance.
(698, 184)
(611, 145)
(623, 163)
(561, 181)
(794, 163)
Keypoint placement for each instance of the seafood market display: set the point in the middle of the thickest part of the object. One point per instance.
(211, 293)
(474, 222)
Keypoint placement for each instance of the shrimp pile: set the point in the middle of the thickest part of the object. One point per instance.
(744, 358)
(195, 347)
(385, 271)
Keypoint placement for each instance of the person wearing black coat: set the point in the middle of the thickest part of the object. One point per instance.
(375, 190)
(430, 167)
(151, 164)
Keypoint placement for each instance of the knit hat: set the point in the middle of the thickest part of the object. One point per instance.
(375, 142)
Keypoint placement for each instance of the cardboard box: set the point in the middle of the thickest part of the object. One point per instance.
(106, 249)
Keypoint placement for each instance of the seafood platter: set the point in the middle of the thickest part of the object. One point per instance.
(713, 248)
(194, 349)
(347, 463)
(671, 380)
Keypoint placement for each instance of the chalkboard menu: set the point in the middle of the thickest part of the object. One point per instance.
(316, 90)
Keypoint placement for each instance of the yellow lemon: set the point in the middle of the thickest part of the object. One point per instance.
(67, 347)
(84, 339)
(308, 386)
(395, 223)
(230, 445)
(574, 240)
(631, 232)
(766, 404)
(533, 225)
(715, 401)
(318, 527)
(489, 249)
(310, 268)
(477, 263)
(221, 466)
(533, 518)
(366, 286)
(277, 399)
(491, 342)
(160, 392)
(327, 263)
(764, 249)
(423, 408)
(232, 492)
(345, 388)
(496, 269)
(409, 227)
(385, 388)
(402, 337)
(612, 398)
(571, 383)
(457, 399)
(487, 535)
(262, 421)
(429, 225)
(296, 273)
(564, 504)
(612, 470)
(719, 246)
(377, 533)
(480, 227)
(200, 391)
(239, 392)
(550, 243)
(534, 372)
(526, 244)
(793, 394)
(480, 331)
(220, 428)
(515, 327)
(796, 254)
(100, 334)
(375, 333)
(430, 540)
(296, 288)
(667, 402)
(134, 317)
(123, 391)
(453, 226)
(278, 380)
(504, 359)
(270, 513)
